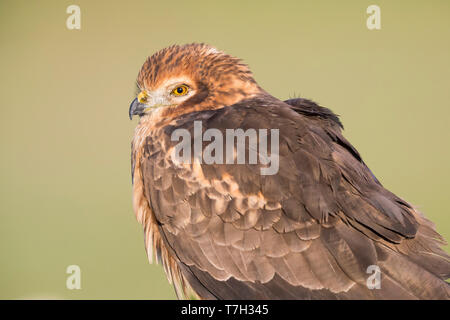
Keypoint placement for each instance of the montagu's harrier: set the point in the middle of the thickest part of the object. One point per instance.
(313, 228)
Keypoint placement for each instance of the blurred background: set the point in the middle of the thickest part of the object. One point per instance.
(65, 134)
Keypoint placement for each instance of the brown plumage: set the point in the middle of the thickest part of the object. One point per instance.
(224, 231)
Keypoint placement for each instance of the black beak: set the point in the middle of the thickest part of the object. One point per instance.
(136, 108)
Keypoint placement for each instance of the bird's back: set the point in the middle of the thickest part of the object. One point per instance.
(317, 229)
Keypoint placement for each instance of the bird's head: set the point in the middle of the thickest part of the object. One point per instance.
(193, 77)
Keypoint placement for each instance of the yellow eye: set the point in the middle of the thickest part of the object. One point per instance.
(142, 97)
(180, 90)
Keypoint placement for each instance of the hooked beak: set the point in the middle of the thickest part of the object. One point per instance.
(136, 108)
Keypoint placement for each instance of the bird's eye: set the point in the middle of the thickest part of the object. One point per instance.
(142, 97)
(180, 90)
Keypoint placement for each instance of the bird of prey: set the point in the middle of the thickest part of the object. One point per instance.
(321, 227)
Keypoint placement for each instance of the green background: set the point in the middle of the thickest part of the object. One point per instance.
(65, 133)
